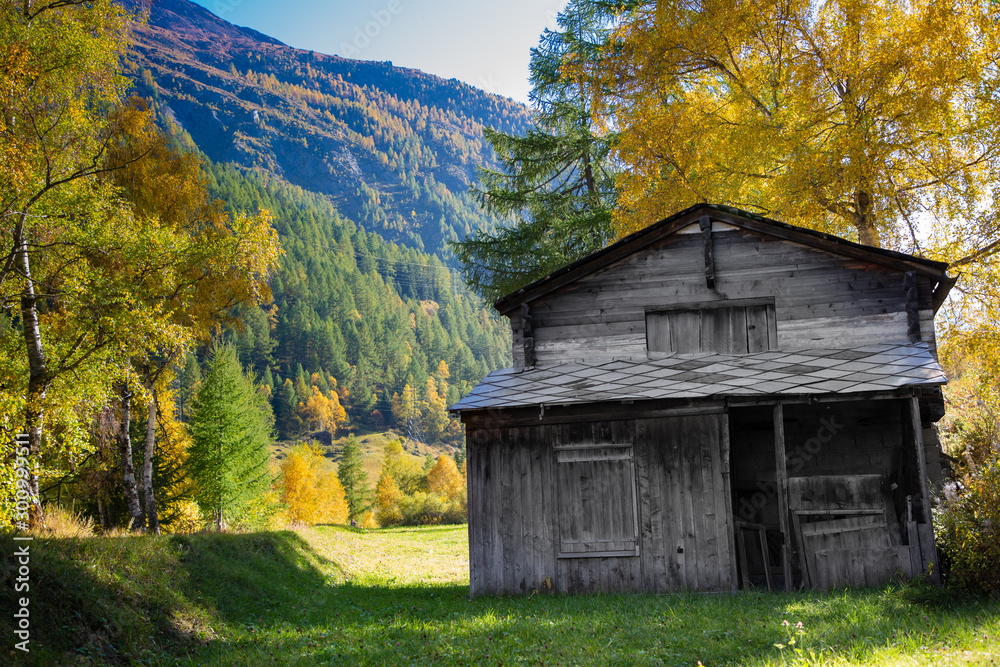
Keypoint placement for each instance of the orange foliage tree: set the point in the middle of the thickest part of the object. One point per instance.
(321, 412)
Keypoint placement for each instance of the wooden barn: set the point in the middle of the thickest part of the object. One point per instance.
(719, 401)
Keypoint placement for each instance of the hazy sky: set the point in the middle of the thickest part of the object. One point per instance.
(484, 43)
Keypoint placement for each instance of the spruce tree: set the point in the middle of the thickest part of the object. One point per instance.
(230, 434)
(354, 479)
(557, 182)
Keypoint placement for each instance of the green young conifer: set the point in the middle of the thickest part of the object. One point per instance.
(354, 479)
(230, 434)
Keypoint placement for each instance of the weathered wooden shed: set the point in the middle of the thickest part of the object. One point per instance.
(717, 401)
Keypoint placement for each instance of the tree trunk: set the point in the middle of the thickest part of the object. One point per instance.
(38, 380)
(864, 221)
(867, 233)
(125, 449)
(147, 464)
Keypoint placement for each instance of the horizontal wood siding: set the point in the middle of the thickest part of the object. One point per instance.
(821, 299)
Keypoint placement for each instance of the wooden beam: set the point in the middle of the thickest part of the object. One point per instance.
(586, 412)
(706, 236)
(941, 291)
(727, 486)
(925, 529)
(792, 399)
(912, 306)
(528, 335)
(708, 305)
(918, 442)
(781, 479)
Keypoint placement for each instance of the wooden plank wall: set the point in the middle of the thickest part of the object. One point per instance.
(685, 519)
(685, 507)
(821, 299)
(853, 438)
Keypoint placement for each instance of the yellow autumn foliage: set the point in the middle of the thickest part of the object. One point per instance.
(387, 498)
(311, 494)
(445, 480)
(322, 413)
(873, 120)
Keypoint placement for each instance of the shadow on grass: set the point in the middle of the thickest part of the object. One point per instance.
(268, 598)
(97, 600)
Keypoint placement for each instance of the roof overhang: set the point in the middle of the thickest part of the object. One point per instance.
(818, 372)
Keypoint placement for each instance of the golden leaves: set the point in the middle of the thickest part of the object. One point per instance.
(850, 117)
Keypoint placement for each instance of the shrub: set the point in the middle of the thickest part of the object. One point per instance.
(969, 528)
(430, 509)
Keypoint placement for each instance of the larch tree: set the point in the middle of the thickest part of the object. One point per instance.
(555, 184)
(311, 494)
(400, 466)
(862, 119)
(228, 459)
(445, 479)
(354, 479)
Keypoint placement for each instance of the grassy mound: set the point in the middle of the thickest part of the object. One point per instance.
(149, 599)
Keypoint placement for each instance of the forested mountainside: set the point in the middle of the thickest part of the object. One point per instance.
(366, 169)
(395, 149)
(377, 317)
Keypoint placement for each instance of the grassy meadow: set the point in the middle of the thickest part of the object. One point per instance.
(399, 596)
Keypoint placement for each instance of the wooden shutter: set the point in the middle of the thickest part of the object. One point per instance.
(734, 329)
(597, 501)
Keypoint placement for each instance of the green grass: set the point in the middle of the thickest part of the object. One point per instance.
(330, 595)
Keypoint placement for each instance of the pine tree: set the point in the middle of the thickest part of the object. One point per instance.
(354, 479)
(557, 181)
(229, 431)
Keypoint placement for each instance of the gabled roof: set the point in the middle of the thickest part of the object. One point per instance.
(872, 368)
(659, 230)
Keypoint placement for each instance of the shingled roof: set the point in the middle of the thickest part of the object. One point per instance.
(818, 371)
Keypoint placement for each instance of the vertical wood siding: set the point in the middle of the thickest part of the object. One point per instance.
(684, 512)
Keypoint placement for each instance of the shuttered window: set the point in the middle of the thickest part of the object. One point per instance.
(731, 329)
(597, 501)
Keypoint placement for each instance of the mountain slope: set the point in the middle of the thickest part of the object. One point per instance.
(395, 149)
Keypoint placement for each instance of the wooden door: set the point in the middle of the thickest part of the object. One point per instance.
(686, 533)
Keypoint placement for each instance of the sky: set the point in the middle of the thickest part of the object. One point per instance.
(485, 43)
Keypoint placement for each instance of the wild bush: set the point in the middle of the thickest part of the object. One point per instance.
(968, 516)
(968, 521)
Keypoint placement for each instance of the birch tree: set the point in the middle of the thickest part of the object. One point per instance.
(59, 73)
